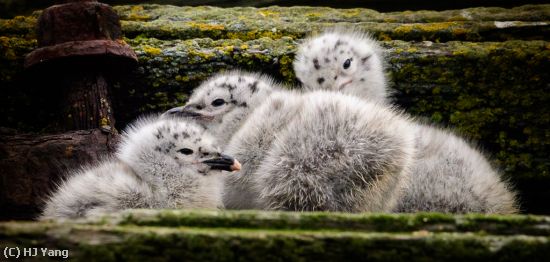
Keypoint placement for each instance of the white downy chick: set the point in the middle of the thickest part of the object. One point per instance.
(449, 175)
(160, 163)
(345, 61)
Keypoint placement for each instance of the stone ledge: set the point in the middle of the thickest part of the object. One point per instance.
(343, 222)
(111, 240)
(246, 23)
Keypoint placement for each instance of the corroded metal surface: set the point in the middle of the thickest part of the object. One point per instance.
(79, 28)
(117, 49)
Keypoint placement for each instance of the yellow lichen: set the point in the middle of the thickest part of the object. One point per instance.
(250, 35)
(458, 18)
(384, 37)
(201, 55)
(459, 31)
(403, 29)
(104, 122)
(427, 27)
(351, 12)
(205, 27)
(268, 13)
(313, 15)
(433, 27)
(232, 35)
(137, 15)
(151, 50)
(180, 78)
(9, 53)
(271, 34)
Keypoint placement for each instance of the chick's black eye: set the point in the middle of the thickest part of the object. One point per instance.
(218, 102)
(347, 63)
(186, 151)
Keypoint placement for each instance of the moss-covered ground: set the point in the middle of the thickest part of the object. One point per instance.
(258, 236)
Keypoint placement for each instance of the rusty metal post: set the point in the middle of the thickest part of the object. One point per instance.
(78, 42)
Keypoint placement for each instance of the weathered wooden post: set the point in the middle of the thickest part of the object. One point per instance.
(79, 41)
(80, 52)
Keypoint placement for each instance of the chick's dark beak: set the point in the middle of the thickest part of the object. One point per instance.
(223, 162)
(181, 111)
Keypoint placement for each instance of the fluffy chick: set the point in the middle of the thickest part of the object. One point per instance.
(347, 61)
(160, 163)
(449, 175)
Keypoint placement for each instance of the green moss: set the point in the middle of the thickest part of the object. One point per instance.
(136, 13)
(287, 70)
(485, 87)
(245, 23)
(276, 22)
(255, 236)
(185, 62)
(433, 222)
(12, 51)
(325, 247)
(20, 26)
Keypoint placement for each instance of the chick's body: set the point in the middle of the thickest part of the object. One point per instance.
(449, 175)
(333, 154)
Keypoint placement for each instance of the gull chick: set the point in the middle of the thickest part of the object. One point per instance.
(448, 174)
(222, 104)
(160, 163)
(346, 61)
(224, 101)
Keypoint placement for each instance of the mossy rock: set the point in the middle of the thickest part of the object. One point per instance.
(312, 221)
(246, 23)
(250, 236)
